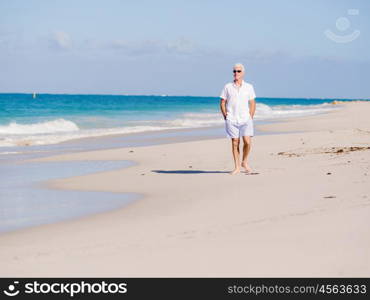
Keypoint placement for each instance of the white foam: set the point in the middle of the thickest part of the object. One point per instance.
(265, 112)
(47, 139)
(9, 152)
(59, 125)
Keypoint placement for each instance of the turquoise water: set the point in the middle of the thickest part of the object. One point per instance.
(51, 119)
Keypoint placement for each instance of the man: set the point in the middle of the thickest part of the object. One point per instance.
(238, 106)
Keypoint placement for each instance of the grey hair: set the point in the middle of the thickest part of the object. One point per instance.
(240, 66)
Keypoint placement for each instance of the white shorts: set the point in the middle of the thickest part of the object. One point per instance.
(237, 130)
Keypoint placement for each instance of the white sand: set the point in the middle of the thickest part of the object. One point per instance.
(290, 220)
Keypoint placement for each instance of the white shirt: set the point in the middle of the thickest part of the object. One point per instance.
(237, 101)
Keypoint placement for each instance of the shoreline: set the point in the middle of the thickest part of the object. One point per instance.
(26, 201)
(185, 225)
(41, 190)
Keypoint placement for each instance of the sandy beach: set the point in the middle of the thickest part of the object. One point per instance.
(305, 214)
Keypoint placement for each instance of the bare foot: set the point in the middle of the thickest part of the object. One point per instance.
(235, 172)
(246, 167)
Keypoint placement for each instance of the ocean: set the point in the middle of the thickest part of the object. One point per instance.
(54, 118)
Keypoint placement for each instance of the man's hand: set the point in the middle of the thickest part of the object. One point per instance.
(223, 107)
(252, 107)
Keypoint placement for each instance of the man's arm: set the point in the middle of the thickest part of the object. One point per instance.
(252, 107)
(223, 107)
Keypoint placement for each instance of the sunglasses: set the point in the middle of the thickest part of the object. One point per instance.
(239, 71)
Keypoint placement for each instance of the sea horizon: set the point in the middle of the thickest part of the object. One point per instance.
(170, 95)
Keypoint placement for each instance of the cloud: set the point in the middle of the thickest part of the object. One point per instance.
(136, 48)
(180, 46)
(91, 44)
(60, 40)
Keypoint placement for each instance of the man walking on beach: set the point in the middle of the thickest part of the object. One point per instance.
(238, 106)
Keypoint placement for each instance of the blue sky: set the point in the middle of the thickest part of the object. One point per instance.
(184, 47)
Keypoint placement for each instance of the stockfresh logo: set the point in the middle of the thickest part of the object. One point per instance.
(343, 26)
(12, 289)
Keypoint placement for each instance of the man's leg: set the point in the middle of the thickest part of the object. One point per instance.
(235, 142)
(247, 141)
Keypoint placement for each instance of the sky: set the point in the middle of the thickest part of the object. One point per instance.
(307, 48)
